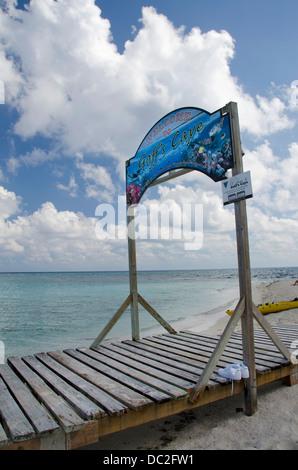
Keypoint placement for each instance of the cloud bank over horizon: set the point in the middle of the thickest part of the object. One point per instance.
(69, 85)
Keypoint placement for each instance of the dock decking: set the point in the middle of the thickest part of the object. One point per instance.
(68, 399)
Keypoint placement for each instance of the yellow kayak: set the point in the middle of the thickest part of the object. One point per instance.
(271, 307)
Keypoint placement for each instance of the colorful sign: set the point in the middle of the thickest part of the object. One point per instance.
(185, 138)
(236, 188)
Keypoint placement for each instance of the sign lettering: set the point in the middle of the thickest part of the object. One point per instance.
(186, 138)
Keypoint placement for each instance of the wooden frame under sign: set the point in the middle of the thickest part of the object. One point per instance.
(245, 309)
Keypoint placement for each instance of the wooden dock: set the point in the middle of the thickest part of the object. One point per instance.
(68, 399)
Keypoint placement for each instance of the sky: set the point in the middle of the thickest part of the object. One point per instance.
(81, 84)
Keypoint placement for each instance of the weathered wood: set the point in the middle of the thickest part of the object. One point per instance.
(112, 322)
(183, 363)
(93, 359)
(271, 333)
(187, 357)
(243, 267)
(14, 421)
(3, 437)
(263, 345)
(132, 261)
(157, 383)
(233, 350)
(98, 396)
(213, 361)
(156, 361)
(145, 371)
(83, 405)
(172, 174)
(107, 367)
(68, 419)
(36, 413)
(82, 373)
(155, 315)
(117, 391)
(292, 379)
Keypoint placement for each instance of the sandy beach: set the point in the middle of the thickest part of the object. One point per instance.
(223, 425)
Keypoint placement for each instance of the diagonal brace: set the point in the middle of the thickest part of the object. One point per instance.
(208, 371)
(112, 322)
(155, 315)
(270, 332)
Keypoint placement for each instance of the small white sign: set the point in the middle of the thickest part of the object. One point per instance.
(236, 188)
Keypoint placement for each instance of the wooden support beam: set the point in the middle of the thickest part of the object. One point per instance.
(112, 322)
(155, 315)
(172, 174)
(243, 267)
(271, 333)
(208, 371)
(133, 273)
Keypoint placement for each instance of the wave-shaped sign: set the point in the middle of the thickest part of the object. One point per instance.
(185, 138)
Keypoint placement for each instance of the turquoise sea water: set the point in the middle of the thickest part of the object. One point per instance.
(47, 311)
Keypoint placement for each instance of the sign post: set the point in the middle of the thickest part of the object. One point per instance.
(244, 270)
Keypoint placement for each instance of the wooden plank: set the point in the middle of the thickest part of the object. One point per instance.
(264, 337)
(266, 348)
(116, 370)
(185, 356)
(234, 351)
(123, 394)
(103, 364)
(98, 396)
(165, 387)
(4, 440)
(158, 361)
(183, 362)
(38, 416)
(293, 329)
(271, 333)
(15, 423)
(57, 406)
(225, 359)
(161, 343)
(235, 343)
(113, 351)
(83, 405)
(264, 351)
(204, 353)
(292, 379)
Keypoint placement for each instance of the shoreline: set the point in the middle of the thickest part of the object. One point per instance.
(222, 425)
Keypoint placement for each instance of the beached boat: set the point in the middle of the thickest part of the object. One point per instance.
(271, 307)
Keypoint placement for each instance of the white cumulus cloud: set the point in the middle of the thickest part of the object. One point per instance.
(70, 82)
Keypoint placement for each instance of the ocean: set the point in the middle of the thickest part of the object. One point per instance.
(59, 310)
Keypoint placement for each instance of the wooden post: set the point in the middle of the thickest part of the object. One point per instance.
(244, 269)
(133, 273)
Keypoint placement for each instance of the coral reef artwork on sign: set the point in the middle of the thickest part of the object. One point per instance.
(185, 138)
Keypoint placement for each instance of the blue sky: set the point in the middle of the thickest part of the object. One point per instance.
(84, 81)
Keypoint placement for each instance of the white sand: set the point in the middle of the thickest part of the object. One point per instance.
(223, 425)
